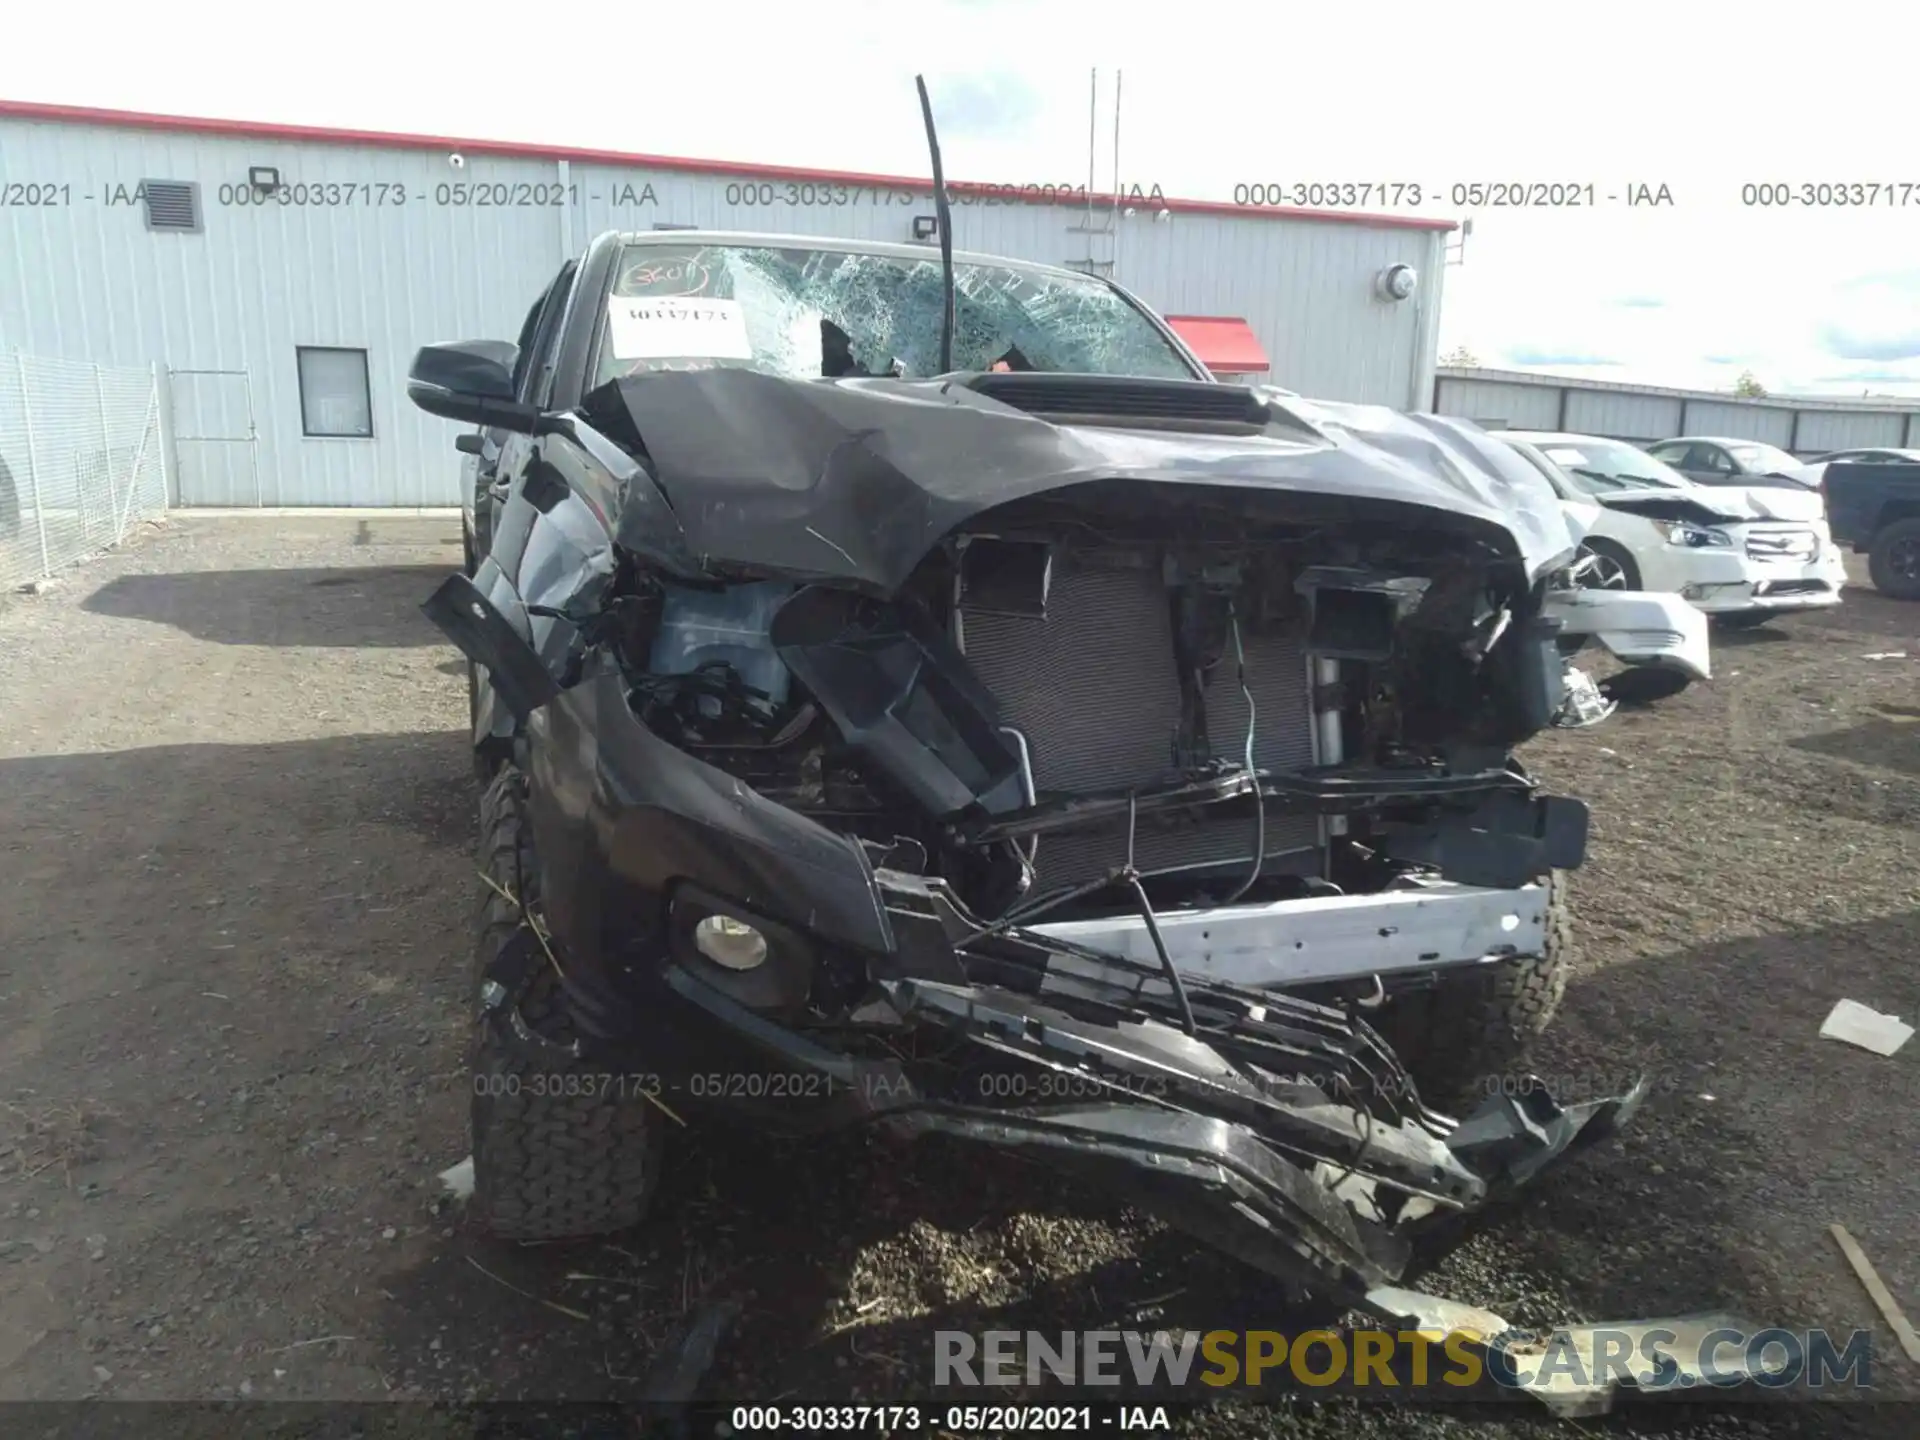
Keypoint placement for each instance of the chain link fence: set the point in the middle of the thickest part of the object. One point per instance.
(80, 461)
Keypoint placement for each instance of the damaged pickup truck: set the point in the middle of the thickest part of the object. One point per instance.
(1051, 748)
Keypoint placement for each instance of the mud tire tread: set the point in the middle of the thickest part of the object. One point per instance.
(1473, 1031)
(546, 1166)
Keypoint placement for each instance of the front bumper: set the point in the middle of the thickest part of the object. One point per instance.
(1322, 939)
(1281, 1129)
(1732, 584)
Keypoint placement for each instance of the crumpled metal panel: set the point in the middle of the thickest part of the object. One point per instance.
(859, 479)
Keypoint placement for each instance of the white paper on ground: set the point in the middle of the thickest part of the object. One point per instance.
(457, 1180)
(1859, 1025)
(672, 327)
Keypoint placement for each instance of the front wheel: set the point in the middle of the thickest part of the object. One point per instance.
(1468, 1036)
(1599, 565)
(1606, 566)
(1894, 561)
(558, 1152)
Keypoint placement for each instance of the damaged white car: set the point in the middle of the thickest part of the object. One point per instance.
(1742, 554)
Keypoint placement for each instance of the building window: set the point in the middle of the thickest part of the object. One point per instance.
(335, 400)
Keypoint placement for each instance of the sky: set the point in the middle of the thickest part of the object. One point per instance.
(1212, 96)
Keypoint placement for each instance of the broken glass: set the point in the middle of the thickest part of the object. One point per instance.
(886, 311)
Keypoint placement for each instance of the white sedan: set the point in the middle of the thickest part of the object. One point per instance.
(1742, 555)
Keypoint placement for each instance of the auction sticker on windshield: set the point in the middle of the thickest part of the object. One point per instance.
(1566, 457)
(665, 327)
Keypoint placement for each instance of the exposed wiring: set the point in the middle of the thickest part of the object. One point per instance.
(1132, 876)
(1039, 906)
(1029, 856)
(1366, 1139)
(1126, 875)
(1166, 960)
(1253, 782)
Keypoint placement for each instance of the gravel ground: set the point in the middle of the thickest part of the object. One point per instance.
(236, 823)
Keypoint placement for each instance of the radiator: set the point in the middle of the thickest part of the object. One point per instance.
(1095, 690)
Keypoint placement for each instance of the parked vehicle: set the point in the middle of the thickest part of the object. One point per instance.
(1082, 757)
(1868, 457)
(1724, 549)
(1875, 511)
(1722, 461)
(1814, 472)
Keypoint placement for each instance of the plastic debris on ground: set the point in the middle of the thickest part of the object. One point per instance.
(1860, 1025)
(1583, 704)
(458, 1180)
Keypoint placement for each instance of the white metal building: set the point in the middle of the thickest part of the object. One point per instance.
(282, 277)
(1804, 425)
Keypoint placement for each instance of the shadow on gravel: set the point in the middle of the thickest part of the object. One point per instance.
(1892, 743)
(188, 820)
(370, 607)
(849, 1257)
(846, 1256)
(1865, 611)
(1756, 1135)
(1723, 637)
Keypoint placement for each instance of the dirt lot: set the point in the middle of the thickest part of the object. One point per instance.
(236, 820)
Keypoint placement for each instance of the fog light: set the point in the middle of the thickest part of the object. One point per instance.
(730, 943)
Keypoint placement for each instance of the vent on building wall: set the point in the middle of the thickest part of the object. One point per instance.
(172, 204)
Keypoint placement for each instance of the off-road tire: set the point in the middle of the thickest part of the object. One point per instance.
(1880, 564)
(547, 1165)
(1469, 1035)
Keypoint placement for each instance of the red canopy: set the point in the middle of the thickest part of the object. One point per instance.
(1225, 344)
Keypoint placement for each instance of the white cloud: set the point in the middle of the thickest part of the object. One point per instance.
(1214, 95)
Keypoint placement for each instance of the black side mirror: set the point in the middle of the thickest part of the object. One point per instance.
(470, 442)
(471, 380)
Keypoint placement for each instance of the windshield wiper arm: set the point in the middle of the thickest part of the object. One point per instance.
(1600, 476)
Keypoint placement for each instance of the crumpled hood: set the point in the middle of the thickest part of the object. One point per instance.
(858, 479)
(1753, 502)
(1780, 502)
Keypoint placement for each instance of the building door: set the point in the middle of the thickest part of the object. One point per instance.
(215, 438)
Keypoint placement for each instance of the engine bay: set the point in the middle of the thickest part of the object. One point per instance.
(1072, 687)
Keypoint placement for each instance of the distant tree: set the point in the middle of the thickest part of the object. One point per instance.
(1461, 357)
(1747, 387)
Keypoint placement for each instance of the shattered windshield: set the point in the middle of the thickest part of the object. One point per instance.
(804, 313)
